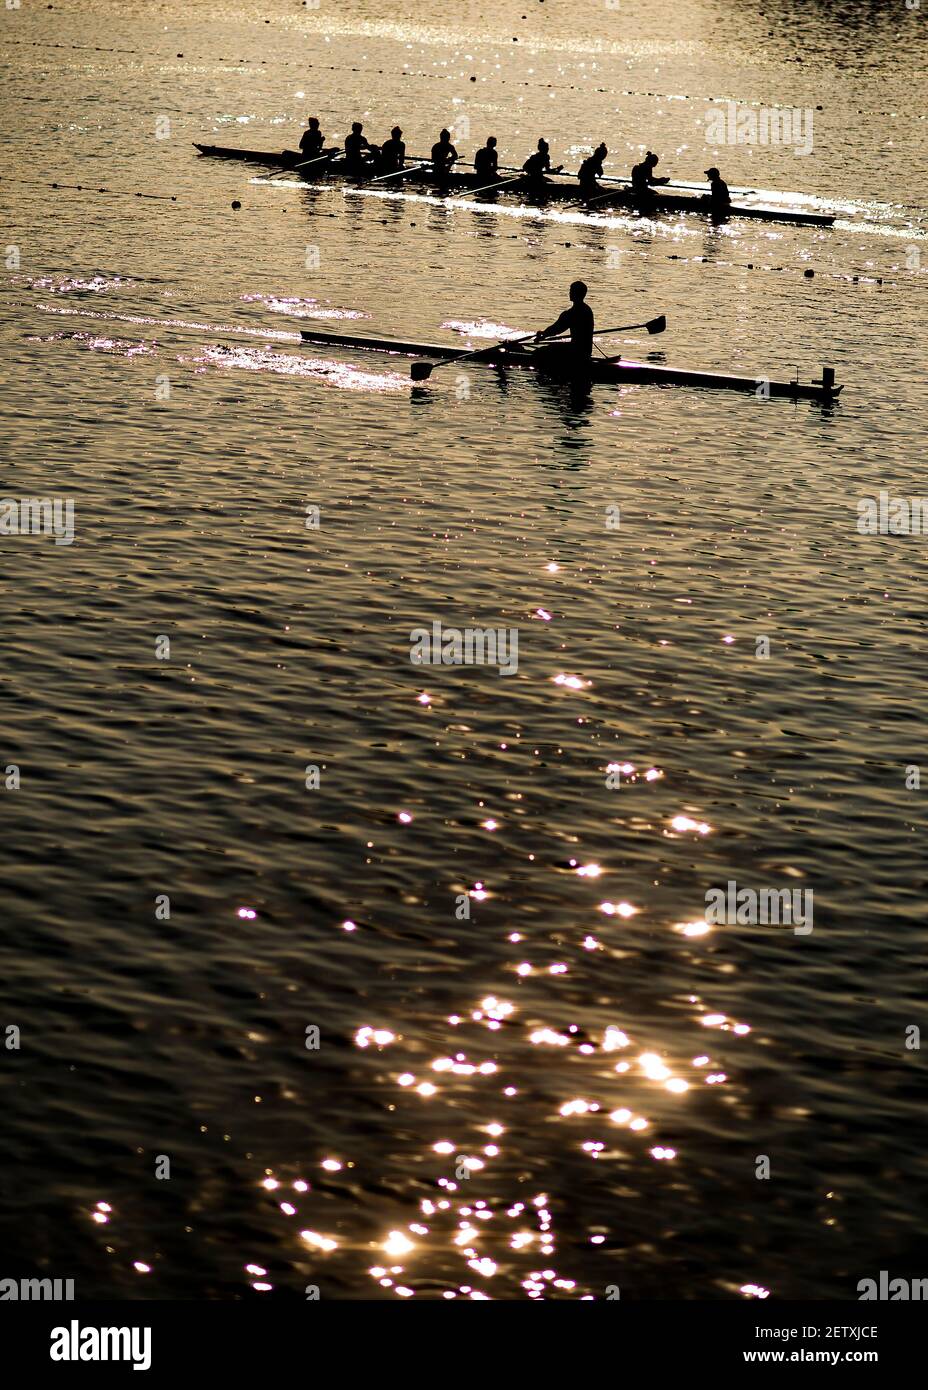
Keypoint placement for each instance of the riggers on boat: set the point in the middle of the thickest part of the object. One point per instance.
(420, 176)
(612, 371)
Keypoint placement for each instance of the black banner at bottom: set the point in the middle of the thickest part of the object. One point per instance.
(161, 1340)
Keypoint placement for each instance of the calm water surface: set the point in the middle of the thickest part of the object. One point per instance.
(605, 1072)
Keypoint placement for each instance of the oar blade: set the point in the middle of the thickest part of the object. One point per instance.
(657, 325)
(421, 371)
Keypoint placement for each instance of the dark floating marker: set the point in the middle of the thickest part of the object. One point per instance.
(236, 205)
(808, 274)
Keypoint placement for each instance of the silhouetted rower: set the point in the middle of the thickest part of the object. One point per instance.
(312, 140)
(357, 149)
(393, 152)
(719, 196)
(578, 322)
(539, 164)
(644, 178)
(486, 160)
(590, 170)
(444, 155)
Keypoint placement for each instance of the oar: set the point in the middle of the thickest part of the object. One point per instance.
(472, 192)
(613, 178)
(672, 185)
(421, 371)
(604, 198)
(607, 197)
(398, 173)
(292, 168)
(657, 325)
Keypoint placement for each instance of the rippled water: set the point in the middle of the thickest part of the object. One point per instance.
(605, 1069)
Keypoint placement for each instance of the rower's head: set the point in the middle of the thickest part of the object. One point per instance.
(602, 151)
(577, 292)
(712, 173)
(543, 146)
(356, 127)
(314, 122)
(444, 136)
(396, 132)
(651, 159)
(491, 142)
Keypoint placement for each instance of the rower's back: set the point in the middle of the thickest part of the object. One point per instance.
(580, 322)
(718, 192)
(312, 140)
(486, 161)
(641, 179)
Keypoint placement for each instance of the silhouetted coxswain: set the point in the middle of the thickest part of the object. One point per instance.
(358, 152)
(590, 170)
(312, 140)
(578, 322)
(393, 152)
(487, 160)
(719, 196)
(643, 178)
(539, 164)
(444, 155)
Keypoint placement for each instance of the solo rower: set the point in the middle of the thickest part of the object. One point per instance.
(486, 161)
(590, 170)
(539, 164)
(578, 322)
(719, 196)
(393, 152)
(444, 155)
(312, 139)
(644, 178)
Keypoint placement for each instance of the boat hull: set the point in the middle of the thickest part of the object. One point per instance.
(611, 371)
(461, 183)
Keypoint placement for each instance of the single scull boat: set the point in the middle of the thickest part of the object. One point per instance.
(613, 371)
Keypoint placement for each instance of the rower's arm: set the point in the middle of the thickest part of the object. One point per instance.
(560, 325)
